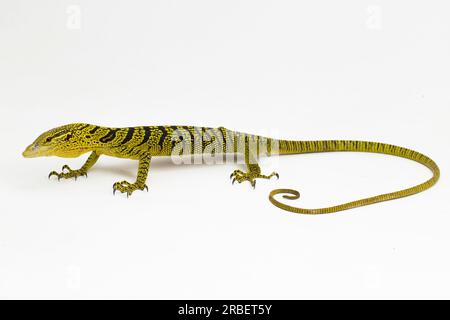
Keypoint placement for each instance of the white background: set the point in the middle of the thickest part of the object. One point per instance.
(372, 70)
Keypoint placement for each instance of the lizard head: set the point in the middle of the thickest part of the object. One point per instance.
(62, 141)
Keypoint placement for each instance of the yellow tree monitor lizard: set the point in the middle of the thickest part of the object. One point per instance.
(143, 143)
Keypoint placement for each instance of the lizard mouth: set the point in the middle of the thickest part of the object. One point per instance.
(32, 151)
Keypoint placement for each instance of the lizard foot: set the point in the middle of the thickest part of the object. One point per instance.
(128, 188)
(67, 173)
(241, 176)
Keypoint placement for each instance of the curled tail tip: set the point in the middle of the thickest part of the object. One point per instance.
(291, 194)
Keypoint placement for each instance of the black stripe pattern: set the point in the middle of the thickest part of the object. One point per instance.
(147, 134)
(109, 136)
(129, 136)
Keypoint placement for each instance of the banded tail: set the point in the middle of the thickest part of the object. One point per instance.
(294, 147)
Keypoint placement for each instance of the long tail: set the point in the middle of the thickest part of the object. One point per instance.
(293, 147)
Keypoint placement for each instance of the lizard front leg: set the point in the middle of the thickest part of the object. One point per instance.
(127, 187)
(254, 171)
(67, 173)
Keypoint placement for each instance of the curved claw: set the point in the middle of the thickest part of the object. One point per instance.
(67, 173)
(127, 187)
(114, 188)
(53, 173)
(233, 181)
(276, 175)
(253, 183)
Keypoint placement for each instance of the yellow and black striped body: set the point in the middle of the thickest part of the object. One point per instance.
(132, 142)
(144, 142)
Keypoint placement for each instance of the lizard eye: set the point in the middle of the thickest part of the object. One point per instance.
(48, 139)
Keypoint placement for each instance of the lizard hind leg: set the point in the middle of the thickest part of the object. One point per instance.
(253, 173)
(253, 169)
